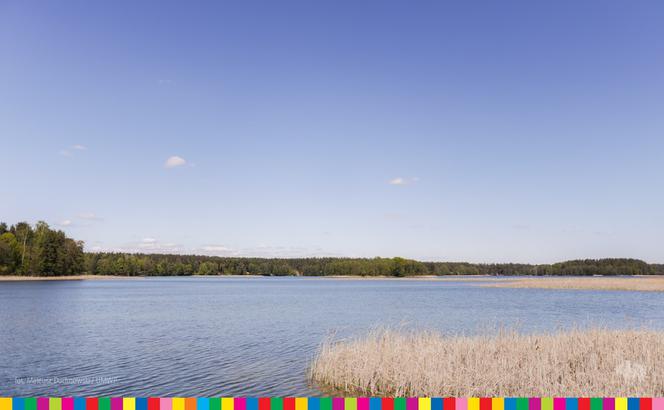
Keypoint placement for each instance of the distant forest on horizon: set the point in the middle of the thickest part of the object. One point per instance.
(42, 251)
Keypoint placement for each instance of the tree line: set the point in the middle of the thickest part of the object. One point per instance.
(39, 251)
(42, 251)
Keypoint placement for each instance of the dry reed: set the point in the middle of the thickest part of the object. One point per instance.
(640, 283)
(594, 362)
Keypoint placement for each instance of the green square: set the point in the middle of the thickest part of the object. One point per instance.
(521, 403)
(399, 403)
(326, 403)
(30, 403)
(104, 403)
(276, 403)
(596, 403)
(215, 403)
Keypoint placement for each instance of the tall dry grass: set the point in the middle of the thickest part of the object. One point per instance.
(595, 363)
(638, 283)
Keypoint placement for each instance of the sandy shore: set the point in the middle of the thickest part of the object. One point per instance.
(341, 277)
(52, 278)
(635, 283)
(464, 278)
(588, 363)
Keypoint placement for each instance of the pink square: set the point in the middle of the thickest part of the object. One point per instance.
(67, 403)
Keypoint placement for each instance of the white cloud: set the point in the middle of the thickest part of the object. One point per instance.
(68, 152)
(403, 181)
(215, 248)
(153, 245)
(91, 216)
(267, 251)
(262, 251)
(156, 247)
(66, 222)
(174, 161)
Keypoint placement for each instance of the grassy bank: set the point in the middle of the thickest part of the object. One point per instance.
(640, 283)
(594, 362)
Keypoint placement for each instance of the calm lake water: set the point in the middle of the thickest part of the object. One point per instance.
(250, 336)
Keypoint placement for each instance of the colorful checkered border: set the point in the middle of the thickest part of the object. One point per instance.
(331, 403)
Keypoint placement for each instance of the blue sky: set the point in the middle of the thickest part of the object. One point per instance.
(482, 131)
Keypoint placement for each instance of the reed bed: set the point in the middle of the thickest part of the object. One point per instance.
(640, 283)
(589, 363)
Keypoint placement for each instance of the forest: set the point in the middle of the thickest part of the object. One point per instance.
(42, 251)
(39, 251)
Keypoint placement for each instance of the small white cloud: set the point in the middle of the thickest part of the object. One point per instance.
(403, 181)
(91, 216)
(215, 248)
(153, 245)
(174, 161)
(69, 151)
(66, 222)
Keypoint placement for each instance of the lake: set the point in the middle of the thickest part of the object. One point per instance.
(251, 336)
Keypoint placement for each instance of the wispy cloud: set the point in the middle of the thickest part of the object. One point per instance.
(65, 223)
(90, 216)
(69, 151)
(154, 245)
(146, 245)
(403, 181)
(263, 251)
(216, 248)
(174, 161)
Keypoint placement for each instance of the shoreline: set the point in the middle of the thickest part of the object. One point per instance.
(18, 278)
(635, 283)
(466, 278)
